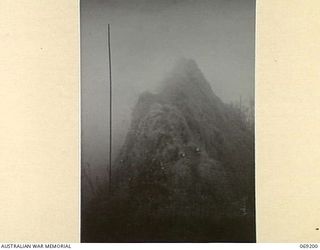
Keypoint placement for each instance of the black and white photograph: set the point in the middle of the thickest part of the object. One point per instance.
(167, 121)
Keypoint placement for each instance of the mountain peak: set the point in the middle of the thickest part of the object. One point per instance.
(186, 68)
(186, 65)
(185, 154)
(186, 79)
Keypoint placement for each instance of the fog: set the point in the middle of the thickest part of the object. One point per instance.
(147, 37)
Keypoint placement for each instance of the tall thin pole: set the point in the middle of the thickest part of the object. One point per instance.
(110, 111)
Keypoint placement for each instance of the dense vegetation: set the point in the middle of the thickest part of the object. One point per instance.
(185, 172)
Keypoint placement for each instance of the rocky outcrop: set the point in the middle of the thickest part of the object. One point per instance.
(186, 170)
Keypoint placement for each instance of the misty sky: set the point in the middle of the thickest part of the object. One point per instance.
(147, 37)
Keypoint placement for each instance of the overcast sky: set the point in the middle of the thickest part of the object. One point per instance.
(147, 37)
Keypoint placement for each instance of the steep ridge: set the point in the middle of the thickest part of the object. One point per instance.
(186, 169)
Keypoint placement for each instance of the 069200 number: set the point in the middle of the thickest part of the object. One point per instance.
(308, 245)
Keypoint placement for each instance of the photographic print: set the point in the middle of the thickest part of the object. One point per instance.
(167, 120)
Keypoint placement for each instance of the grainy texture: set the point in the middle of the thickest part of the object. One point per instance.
(185, 172)
(35, 189)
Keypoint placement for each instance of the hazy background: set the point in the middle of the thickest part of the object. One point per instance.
(147, 37)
